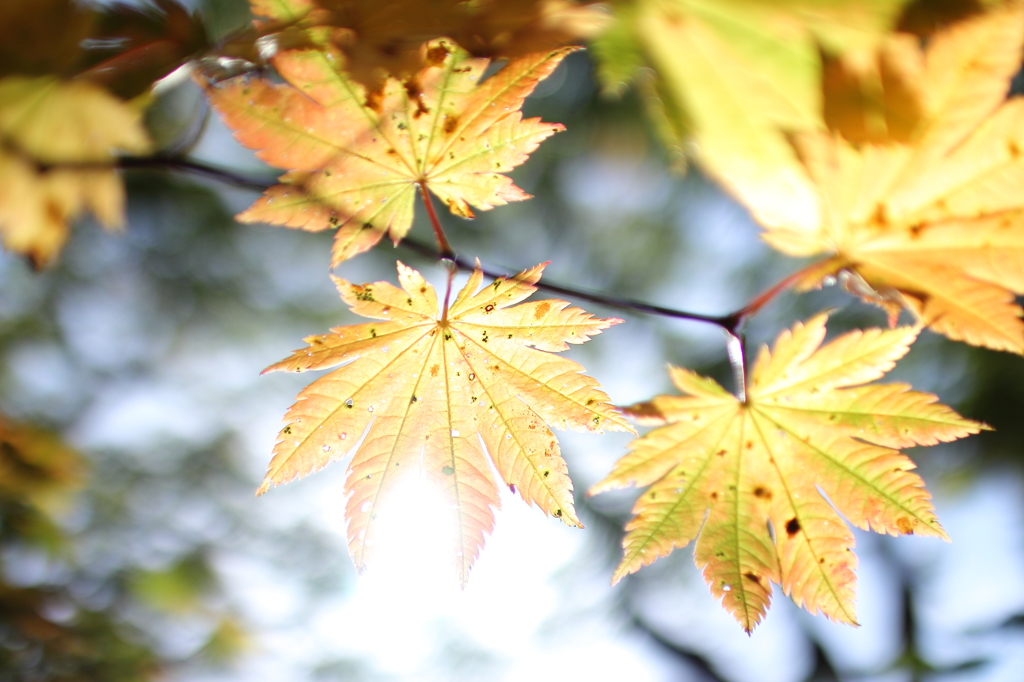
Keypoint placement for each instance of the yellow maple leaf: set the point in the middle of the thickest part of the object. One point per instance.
(935, 224)
(444, 397)
(357, 163)
(760, 484)
(48, 122)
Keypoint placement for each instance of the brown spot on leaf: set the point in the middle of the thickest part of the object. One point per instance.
(374, 98)
(415, 93)
(451, 123)
(436, 55)
(905, 526)
(541, 310)
(792, 527)
(752, 576)
(881, 217)
(762, 492)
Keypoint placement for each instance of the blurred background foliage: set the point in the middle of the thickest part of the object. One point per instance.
(136, 428)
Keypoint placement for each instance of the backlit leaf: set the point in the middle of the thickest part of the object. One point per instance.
(761, 485)
(356, 163)
(935, 224)
(444, 398)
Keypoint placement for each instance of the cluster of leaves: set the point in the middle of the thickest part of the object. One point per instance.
(898, 163)
(73, 84)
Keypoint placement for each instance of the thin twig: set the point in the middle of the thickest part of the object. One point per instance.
(419, 247)
(190, 166)
(731, 323)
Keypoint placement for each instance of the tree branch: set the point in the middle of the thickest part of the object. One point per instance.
(731, 323)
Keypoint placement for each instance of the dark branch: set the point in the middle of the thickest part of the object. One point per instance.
(195, 167)
(731, 323)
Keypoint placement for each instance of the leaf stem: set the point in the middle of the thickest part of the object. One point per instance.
(764, 297)
(444, 249)
(452, 267)
(735, 349)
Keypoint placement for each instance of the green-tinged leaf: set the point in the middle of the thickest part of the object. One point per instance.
(738, 76)
(760, 485)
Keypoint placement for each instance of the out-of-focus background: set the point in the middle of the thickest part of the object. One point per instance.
(137, 426)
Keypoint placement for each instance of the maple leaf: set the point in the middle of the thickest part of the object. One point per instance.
(357, 165)
(46, 121)
(381, 37)
(761, 484)
(935, 224)
(737, 76)
(444, 397)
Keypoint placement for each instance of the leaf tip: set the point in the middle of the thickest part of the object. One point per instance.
(622, 571)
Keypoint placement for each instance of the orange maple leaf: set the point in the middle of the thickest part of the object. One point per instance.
(743, 478)
(356, 164)
(444, 397)
(382, 37)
